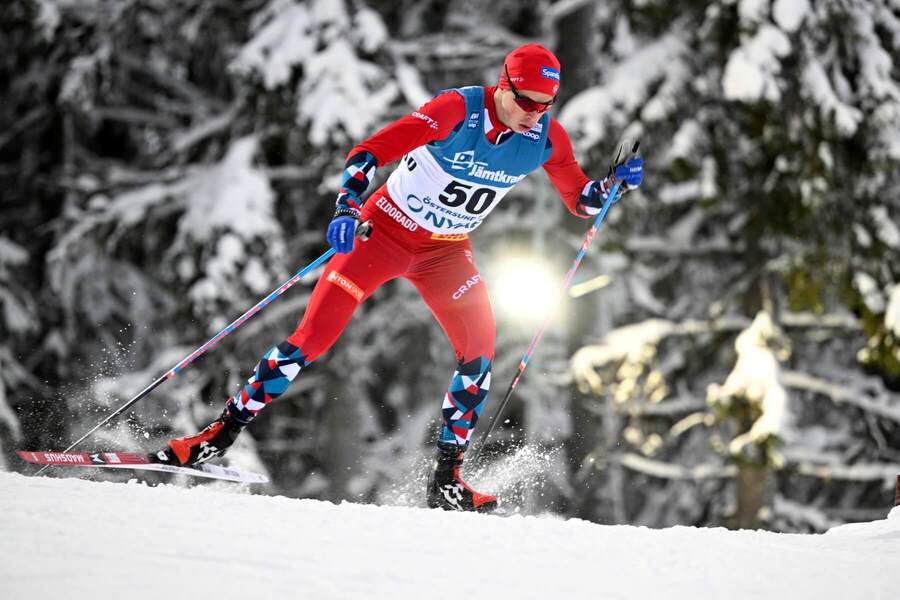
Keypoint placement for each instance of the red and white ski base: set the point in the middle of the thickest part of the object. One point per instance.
(132, 460)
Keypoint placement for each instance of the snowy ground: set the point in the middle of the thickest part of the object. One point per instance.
(68, 538)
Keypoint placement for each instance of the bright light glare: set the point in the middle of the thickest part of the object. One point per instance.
(525, 289)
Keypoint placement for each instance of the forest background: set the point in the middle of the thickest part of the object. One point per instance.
(731, 357)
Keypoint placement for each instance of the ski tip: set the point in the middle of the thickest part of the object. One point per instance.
(28, 456)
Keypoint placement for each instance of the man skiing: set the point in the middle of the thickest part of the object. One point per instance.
(461, 153)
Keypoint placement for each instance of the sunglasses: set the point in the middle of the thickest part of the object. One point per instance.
(524, 102)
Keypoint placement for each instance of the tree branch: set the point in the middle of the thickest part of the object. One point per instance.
(664, 470)
(883, 404)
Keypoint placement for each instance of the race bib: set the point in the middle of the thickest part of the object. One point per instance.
(436, 200)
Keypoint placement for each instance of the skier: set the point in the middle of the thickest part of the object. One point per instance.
(461, 153)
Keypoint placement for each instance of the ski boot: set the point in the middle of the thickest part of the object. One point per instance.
(446, 490)
(210, 443)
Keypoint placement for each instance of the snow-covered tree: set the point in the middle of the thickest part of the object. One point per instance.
(773, 188)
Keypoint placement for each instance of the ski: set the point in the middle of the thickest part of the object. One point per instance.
(142, 462)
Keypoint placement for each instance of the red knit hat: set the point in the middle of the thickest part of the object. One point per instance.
(531, 67)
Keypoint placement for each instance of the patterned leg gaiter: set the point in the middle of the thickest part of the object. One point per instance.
(275, 371)
(464, 401)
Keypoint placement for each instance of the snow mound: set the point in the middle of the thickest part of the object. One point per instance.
(80, 539)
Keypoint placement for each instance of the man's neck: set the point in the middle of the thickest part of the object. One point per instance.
(498, 107)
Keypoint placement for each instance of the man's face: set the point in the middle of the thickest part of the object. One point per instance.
(519, 120)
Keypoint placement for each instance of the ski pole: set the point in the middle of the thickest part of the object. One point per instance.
(363, 231)
(567, 283)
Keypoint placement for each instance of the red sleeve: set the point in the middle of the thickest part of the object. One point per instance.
(433, 121)
(565, 173)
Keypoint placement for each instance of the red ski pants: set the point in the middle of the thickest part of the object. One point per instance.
(442, 269)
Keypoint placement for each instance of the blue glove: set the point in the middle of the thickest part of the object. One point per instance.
(342, 230)
(630, 174)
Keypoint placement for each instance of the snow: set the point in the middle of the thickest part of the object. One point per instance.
(79, 539)
(789, 14)
(757, 377)
(847, 118)
(230, 206)
(410, 82)
(704, 186)
(752, 11)
(280, 41)
(892, 316)
(685, 141)
(870, 396)
(868, 289)
(888, 231)
(626, 342)
(233, 194)
(11, 253)
(340, 95)
(681, 193)
(876, 64)
(49, 15)
(48, 18)
(863, 238)
(369, 29)
(8, 419)
(17, 315)
(877, 79)
(625, 89)
(752, 69)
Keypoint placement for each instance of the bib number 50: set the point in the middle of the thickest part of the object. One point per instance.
(477, 201)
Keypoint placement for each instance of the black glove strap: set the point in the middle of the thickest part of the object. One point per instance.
(346, 212)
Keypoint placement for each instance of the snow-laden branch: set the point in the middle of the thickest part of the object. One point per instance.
(832, 470)
(663, 246)
(846, 118)
(884, 472)
(341, 95)
(626, 89)
(803, 513)
(563, 9)
(629, 341)
(878, 67)
(882, 403)
(664, 470)
(809, 320)
(756, 379)
(183, 140)
(667, 408)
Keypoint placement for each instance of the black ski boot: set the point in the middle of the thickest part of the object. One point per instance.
(446, 490)
(210, 443)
